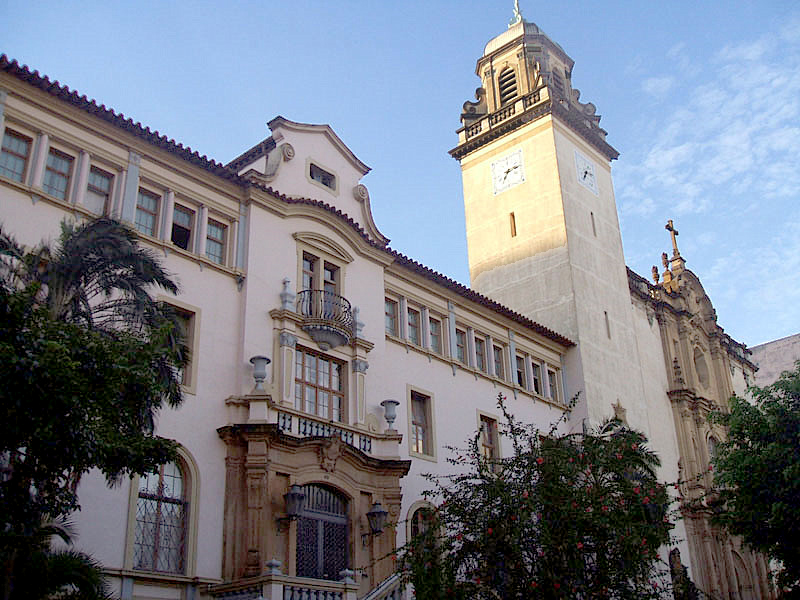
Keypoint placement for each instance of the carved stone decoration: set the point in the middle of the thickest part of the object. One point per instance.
(475, 110)
(329, 453)
(287, 340)
(677, 373)
(361, 193)
(372, 423)
(287, 295)
(287, 151)
(357, 323)
(360, 366)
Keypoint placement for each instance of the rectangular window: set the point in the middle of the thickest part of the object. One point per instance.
(320, 175)
(186, 321)
(146, 212)
(390, 310)
(57, 172)
(215, 242)
(420, 424)
(14, 155)
(461, 346)
(318, 385)
(436, 335)
(553, 381)
(513, 222)
(98, 191)
(480, 354)
(537, 378)
(182, 223)
(498, 361)
(413, 326)
(522, 380)
(309, 266)
(489, 437)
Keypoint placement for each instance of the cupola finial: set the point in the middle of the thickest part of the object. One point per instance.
(517, 18)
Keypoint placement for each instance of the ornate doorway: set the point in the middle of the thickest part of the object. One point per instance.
(322, 544)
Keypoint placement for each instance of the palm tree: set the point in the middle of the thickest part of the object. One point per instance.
(98, 276)
(43, 571)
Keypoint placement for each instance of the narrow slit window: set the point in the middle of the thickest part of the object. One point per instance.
(513, 221)
(608, 324)
(594, 227)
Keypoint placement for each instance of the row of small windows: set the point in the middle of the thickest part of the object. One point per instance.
(489, 356)
(59, 171)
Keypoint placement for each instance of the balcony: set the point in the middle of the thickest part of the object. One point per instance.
(327, 318)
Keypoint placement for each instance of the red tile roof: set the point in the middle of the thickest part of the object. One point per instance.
(62, 92)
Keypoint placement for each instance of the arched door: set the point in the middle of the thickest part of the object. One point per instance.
(322, 545)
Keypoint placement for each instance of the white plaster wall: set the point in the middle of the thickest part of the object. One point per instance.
(775, 357)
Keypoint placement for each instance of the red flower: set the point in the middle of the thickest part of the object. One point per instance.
(646, 500)
(534, 584)
(580, 545)
(634, 446)
(489, 531)
(556, 585)
(459, 537)
(540, 460)
(636, 490)
(588, 509)
(710, 467)
(525, 494)
(570, 459)
(605, 509)
(619, 456)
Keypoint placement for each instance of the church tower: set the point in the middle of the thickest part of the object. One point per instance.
(542, 228)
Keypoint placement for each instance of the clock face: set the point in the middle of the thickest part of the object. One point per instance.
(585, 172)
(507, 172)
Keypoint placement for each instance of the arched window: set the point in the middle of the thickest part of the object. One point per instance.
(322, 544)
(507, 84)
(421, 521)
(161, 521)
(712, 448)
(700, 367)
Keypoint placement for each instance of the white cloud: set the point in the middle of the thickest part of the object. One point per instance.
(658, 86)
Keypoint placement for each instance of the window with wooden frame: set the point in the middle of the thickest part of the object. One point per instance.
(489, 441)
(497, 352)
(318, 385)
(421, 521)
(58, 170)
(552, 380)
(414, 335)
(14, 154)
(537, 378)
(147, 212)
(161, 521)
(522, 379)
(390, 309)
(98, 191)
(480, 353)
(186, 319)
(182, 226)
(435, 332)
(421, 434)
(461, 346)
(215, 241)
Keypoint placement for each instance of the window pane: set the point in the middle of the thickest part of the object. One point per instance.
(146, 211)
(56, 176)
(413, 326)
(390, 310)
(14, 155)
(436, 336)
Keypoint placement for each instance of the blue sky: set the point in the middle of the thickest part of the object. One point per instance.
(702, 99)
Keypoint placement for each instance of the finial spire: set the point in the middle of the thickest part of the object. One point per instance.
(517, 18)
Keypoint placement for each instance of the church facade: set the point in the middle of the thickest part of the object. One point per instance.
(329, 372)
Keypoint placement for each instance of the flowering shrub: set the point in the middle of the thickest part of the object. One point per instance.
(566, 516)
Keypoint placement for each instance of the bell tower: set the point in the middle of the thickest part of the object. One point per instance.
(542, 228)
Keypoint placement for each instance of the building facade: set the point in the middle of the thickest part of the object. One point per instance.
(376, 362)
(543, 238)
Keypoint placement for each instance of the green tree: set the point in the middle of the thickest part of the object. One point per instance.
(566, 516)
(87, 359)
(758, 473)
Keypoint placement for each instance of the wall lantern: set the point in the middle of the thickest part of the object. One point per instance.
(294, 503)
(390, 411)
(377, 519)
(259, 371)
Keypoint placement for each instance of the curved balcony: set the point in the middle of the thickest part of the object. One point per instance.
(327, 318)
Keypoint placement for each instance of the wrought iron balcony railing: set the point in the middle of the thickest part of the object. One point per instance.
(327, 317)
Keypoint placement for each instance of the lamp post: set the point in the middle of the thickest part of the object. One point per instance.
(294, 499)
(377, 519)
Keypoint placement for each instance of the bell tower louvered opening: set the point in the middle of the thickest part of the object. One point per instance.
(507, 84)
